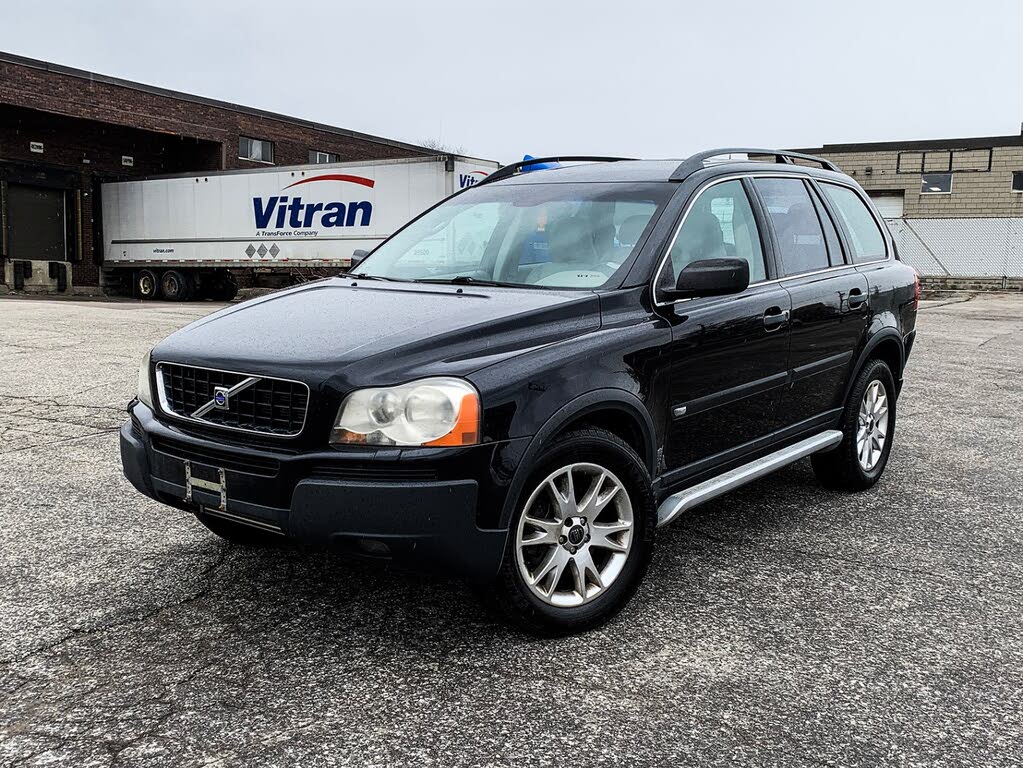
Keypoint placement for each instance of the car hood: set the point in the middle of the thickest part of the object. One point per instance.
(361, 333)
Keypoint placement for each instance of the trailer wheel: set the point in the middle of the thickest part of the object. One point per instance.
(175, 285)
(146, 285)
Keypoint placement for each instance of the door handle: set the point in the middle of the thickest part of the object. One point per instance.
(775, 317)
(856, 298)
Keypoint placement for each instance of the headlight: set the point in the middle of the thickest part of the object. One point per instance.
(439, 411)
(145, 394)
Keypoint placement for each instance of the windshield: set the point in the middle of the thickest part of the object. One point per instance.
(534, 235)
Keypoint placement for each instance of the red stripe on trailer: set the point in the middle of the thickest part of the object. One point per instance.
(336, 177)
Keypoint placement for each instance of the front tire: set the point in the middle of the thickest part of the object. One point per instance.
(868, 428)
(581, 538)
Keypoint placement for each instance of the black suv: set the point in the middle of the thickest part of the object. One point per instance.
(528, 379)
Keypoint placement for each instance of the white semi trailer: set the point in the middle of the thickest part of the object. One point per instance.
(199, 236)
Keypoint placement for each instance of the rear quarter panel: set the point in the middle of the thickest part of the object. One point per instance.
(892, 287)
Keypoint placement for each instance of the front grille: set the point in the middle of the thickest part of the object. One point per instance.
(252, 465)
(263, 405)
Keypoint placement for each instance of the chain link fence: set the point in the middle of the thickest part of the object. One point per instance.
(974, 247)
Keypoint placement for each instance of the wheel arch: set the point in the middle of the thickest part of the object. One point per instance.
(615, 410)
(886, 345)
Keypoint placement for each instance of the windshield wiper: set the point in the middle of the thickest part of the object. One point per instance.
(458, 280)
(364, 276)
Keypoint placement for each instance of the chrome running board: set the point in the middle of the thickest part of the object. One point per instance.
(677, 503)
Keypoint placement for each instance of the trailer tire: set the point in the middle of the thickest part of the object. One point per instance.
(175, 285)
(147, 286)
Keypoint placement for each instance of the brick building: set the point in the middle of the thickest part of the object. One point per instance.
(954, 206)
(64, 131)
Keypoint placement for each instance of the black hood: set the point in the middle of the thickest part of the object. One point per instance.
(362, 333)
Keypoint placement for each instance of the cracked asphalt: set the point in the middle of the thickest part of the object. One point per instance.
(779, 625)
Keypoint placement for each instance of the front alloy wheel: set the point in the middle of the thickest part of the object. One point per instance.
(571, 546)
(581, 536)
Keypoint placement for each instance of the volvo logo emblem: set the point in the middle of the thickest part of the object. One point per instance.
(221, 398)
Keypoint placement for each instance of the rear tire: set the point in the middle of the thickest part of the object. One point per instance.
(147, 286)
(175, 285)
(868, 429)
(592, 539)
(237, 533)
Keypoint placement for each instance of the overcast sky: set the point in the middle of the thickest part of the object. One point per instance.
(634, 77)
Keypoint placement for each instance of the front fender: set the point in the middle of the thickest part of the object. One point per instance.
(588, 403)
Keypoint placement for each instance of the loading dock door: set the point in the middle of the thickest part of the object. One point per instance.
(35, 223)
(889, 204)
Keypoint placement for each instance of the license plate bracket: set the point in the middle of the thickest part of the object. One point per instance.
(217, 487)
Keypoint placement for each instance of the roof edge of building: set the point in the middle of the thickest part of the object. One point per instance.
(25, 61)
(970, 142)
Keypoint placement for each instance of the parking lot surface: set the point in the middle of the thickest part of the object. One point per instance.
(779, 625)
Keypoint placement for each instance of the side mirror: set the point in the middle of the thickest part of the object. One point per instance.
(357, 256)
(711, 277)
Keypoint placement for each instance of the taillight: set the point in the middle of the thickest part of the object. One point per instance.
(916, 289)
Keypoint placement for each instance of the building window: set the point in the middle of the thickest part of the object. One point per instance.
(1017, 181)
(255, 149)
(936, 184)
(317, 157)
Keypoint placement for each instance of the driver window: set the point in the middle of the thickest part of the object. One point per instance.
(719, 225)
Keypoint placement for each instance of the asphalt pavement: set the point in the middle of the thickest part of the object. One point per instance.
(779, 625)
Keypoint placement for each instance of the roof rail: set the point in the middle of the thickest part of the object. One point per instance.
(507, 171)
(694, 163)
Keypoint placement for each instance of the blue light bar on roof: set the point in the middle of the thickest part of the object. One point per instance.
(537, 166)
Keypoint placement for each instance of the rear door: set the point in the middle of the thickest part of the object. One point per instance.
(829, 298)
(729, 354)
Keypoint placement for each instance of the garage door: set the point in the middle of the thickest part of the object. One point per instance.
(889, 204)
(35, 223)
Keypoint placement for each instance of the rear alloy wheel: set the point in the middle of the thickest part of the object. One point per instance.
(872, 426)
(581, 538)
(175, 286)
(146, 285)
(868, 427)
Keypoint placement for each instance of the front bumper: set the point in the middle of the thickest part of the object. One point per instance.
(428, 507)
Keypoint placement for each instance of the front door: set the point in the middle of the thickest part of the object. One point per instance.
(729, 356)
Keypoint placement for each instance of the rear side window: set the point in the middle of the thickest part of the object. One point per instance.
(830, 233)
(866, 240)
(719, 225)
(794, 218)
